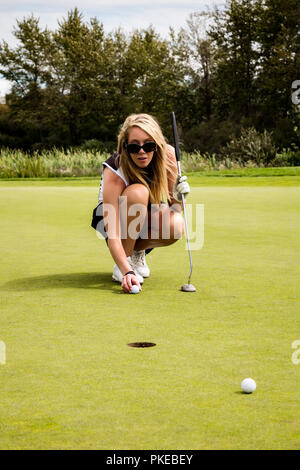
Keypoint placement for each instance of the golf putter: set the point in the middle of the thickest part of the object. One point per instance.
(186, 287)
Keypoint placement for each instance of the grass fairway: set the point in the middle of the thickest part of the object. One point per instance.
(71, 382)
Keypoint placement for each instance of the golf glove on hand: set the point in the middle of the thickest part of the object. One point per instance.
(181, 187)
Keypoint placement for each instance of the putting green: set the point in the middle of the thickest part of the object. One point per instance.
(71, 382)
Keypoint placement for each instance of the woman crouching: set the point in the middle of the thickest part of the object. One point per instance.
(139, 199)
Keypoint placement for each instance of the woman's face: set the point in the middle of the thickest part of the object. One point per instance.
(138, 136)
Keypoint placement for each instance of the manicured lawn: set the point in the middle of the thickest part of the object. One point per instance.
(71, 382)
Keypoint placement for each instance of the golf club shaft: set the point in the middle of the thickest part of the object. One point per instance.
(177, 153)
(187, 238)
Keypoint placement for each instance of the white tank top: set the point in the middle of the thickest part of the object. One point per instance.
(111, 164)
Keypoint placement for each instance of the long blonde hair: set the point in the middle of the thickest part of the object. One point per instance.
(160, 164)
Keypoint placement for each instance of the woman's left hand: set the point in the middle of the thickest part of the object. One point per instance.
(128, 281)
(181, 187)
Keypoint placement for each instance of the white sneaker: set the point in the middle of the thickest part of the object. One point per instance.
(138, 262)
(118, 277)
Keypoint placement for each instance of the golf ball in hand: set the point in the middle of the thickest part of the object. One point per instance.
(134, 290)
(248, 385)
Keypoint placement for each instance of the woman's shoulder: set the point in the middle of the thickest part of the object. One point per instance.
(112, 161)
(116, 173)
(170, 151)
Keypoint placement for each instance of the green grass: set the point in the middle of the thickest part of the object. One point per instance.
(56, 162)
(71, 382)
(238, 177)
(252, 172)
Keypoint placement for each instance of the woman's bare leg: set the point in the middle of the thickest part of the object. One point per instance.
(159, 227)
(131, 208)
(165, 227)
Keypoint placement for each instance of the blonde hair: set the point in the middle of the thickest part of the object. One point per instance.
(160, 164)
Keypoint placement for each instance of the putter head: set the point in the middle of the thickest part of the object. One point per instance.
(188, 288)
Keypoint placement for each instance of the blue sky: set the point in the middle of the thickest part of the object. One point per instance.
(129, 14)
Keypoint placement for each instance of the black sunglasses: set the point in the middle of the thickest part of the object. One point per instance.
(135, 148)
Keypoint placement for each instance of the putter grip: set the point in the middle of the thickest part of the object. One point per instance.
(175, 135)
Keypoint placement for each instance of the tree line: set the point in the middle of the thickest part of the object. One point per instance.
(225, 71)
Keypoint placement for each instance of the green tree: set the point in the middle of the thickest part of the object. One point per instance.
(279, 40)
(76, 73)
(235, 33)
(200, 59)
(159, 85)
(25, 67)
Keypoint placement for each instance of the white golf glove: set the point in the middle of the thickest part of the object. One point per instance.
(181, 187)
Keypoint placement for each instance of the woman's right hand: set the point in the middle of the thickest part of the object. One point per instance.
(128, 281)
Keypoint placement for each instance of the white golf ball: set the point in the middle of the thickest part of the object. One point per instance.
(134, 290)
(248, 385)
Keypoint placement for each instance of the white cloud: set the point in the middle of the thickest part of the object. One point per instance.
(4, 88)
(127, 13)
(95, 4)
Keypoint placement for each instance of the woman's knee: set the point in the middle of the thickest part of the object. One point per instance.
(177, 227)
(136, 193)
(172, 228)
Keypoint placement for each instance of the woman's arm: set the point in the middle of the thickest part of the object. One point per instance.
(172, 176)
(113, 186)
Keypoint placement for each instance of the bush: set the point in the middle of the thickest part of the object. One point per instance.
(285, 133)
(209, 136)
(94, 145)
(195, 162)
(72, 162)
(251, 145)
(287, 157)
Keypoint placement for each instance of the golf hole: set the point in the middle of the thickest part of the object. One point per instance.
(141, 345)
